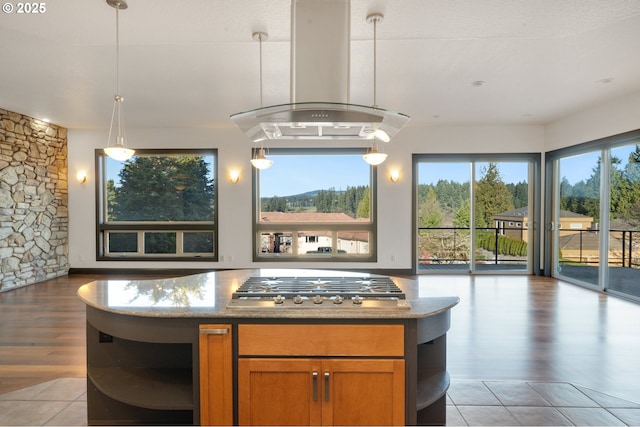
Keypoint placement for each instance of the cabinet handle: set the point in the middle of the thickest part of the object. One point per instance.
(326, 386)
(207, 331)
(315, 386)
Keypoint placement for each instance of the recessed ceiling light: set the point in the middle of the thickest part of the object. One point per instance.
(606, 80)
(478, 83)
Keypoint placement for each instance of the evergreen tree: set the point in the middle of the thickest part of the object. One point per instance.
(591, 193)
(364, 207)
(111, 199)
(462, 218)
(519, 194)
(430, 213)
(163, 188)
(492, 196)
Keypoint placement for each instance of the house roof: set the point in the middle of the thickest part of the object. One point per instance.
(524, 212)
(288, 217)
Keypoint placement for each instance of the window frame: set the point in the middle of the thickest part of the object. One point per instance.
(535, 163)
(103, 228)
(371, 227)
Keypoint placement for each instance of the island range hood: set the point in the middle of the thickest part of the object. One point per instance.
(320, 109)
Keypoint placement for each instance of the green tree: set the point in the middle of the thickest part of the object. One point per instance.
(519, 194)
(364, 207)
(111, 198)
(492, 196)
(164, 188)
(274, 204)
(430, 213)
(326, 200)
(632, 175)
(462, 217)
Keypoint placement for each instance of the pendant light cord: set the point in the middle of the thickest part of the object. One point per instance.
(375, 22)
(118, 97)
(260, 40)
(117, 7)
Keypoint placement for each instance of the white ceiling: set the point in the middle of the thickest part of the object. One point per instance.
(192, 63)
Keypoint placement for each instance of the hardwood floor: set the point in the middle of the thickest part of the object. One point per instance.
(42, 332)
(521, 328)
(540, 329)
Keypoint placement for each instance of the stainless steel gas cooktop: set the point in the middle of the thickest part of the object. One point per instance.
(319, 293)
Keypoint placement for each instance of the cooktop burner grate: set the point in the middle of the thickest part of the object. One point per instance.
(371, 287)
(317, 292)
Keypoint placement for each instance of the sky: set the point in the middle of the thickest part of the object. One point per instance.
(291, 175)
(580, 168)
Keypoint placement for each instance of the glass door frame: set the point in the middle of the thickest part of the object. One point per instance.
(552, 205)
(534, 230)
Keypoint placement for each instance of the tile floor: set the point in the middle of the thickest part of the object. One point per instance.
(506, 403)
(62, 402)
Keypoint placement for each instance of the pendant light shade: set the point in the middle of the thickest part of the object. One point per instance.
(259, 161)
(374, 157)
(118, 151)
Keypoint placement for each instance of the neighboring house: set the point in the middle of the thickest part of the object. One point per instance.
(579, 237)
(313, 241)
(514, 223)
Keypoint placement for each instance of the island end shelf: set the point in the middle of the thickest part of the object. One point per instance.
(145, 340)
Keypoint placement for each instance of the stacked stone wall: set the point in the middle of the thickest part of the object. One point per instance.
(34, 218)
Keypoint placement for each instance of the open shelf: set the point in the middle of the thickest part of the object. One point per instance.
(432, 385)
(151, 388)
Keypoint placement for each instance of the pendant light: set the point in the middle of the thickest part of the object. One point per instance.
(119, 151)
(373, 156)
(258, 159)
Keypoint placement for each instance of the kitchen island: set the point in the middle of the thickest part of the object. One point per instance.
(172, 351)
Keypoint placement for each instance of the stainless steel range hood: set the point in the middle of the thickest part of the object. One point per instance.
(320, 108)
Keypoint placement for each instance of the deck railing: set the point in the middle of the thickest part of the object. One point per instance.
(451, 245)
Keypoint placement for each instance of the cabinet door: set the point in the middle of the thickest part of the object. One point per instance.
(363, 392)
(279, 392)
(216, 375)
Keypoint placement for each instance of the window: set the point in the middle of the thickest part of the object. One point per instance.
(311, 206)
(158, 204)
(464, 209)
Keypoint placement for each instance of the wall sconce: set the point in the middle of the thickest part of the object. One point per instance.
(394, 175)
(234, 176)
(81, 176)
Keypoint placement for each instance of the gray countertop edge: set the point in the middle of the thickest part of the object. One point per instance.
(95, 294)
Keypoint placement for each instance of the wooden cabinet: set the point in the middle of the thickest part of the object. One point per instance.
(216, 375)
(320, 391)
(363, 392)
(350, 375)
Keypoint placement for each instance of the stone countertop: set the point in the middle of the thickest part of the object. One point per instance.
(207, 295)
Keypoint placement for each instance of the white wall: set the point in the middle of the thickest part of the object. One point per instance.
(611, 118)
(394, 208)
(394, 205)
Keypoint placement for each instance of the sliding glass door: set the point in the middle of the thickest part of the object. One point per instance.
(474, 214)
(623, 272)
(444, 216)
(576, 219)
(595, 214)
